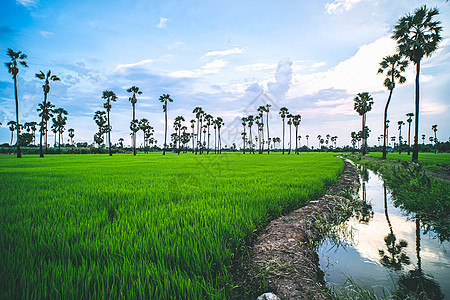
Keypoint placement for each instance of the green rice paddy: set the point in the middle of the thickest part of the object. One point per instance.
(150, 226)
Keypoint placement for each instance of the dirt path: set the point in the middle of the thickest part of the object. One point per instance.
(441, 176)
(283, 258)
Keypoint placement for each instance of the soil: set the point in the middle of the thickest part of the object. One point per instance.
(283, 258)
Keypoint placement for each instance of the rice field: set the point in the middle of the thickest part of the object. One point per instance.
(149, 226)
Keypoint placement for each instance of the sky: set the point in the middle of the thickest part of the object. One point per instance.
(228, 57)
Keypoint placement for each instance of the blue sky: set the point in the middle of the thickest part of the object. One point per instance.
(310, 56)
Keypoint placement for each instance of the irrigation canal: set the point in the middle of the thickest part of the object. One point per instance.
(383, 247)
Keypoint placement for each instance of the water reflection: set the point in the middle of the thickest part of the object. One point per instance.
(416, 284)
(395, 257)
(381, 254)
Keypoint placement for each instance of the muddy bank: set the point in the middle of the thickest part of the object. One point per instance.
(283, 258)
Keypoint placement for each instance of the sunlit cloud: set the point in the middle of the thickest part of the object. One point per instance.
(340, 6)
(162, 23)
(224, 52)
(46, 34)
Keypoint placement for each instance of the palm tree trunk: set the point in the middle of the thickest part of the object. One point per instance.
(165, 130)
(207, 150)
(362, 136)
(41, 154)
(196, 144)
(415, 155)
(243, 141)
(400, 140)
(283, 135)
(109, 135)
(251, 141)
(19, 154)
(220, 141)
(215, 140)
(296, 139)
(268, 137)
(12, 136)
(290, 138)
(409, 136)
(59, 141)
(385, 124)
(134, 133)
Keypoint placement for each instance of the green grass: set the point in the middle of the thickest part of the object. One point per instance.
(429, 161)
(150, 226)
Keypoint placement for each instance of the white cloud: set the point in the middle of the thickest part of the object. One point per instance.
(162, 23)
(224, 52)
(339, 6)
(46, 34)
(256, 67)
(214, 66)
(27, 3)
(210, 68)
(283, 79)
(141, 64)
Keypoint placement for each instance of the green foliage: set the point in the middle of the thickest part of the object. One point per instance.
(146, 226)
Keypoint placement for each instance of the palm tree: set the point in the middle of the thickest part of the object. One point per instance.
(328, 139)
(354, 137)
(244, 123)
(134, 127)
(400, 123)
(283, 113)
(219, 122)
(363, 104)
(135, 90)
(109, 96)
(296, 121)
(12, 127)
(165, 98)
(307, 137)
(289, 122)
(121, 140)
(267, 123)
(60, 122)
(16, 58)
(193, 135)
(198, 111)
(261, 110)
(71, 134)
(409, 120)
(46, 113)
(208, 119)
(177, 126)
(434, 128)
(417, 35)
(46, 87)
(319, 137)
(394, 67)
(423, 139)
(250, 120)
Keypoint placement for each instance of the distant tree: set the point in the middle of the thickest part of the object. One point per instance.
(267, 126)
(417, 35)
(354, 137)
(134, 127)
(135, 90)
(121, 140)
(250, 120)
(400, 124)
(296, 119)
(394, 67)
(45, 110)
(289, 122)
(60, 122)
(177, 126)
(193, 134)
(45, 114)
(71, 134)
(208, 119)
(165, 98)
(283, 113)
(363, 104)
(434, 128)
(12, 127)
(319, 137)
(307, 137)
(109, 96)
(409, 120)
(198, 111)
(16, 59)
(219, 122)
(423, 139)
(244, 123)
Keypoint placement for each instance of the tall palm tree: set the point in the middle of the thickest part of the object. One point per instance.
(209, 119)
(109, 96)
(296, 119)
(177, 126)
(289, 122)
(60, 122)
(261, 110)
(363, 104)
(319, 137)
(434, 128)
(400, 124)
(198, 111)
(394, 67)
(134, 127)
(121, 140)
(250, 120)
(12, 127)
(219, 122)
(46, 113)
(267, 126)
(283, 113)
(165, 98)
(417, 35)
(244, 123)
(71, 134)
(354, 137)
(135, 90)
(409, 120)
(193, 135)
(423, 139)
(46, 87)
(16, 59)
(307, 137)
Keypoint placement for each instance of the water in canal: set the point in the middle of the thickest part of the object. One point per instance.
(384, 248)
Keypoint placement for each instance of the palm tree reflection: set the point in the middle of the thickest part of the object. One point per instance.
(395, 257)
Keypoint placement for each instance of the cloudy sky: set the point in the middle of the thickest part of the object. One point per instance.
(228, 57)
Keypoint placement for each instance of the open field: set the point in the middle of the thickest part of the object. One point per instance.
(429, 161)
(149, 226)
